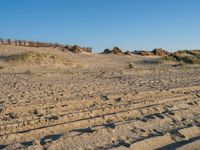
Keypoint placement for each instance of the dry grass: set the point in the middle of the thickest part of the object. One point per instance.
(190, 57)
(28, 72)
(130, 65)
(35, 57)
(2, 67)
(187, 59)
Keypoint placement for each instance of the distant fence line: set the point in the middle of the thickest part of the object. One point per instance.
(38, 44)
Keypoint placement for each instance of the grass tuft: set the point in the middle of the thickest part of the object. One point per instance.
(130, 65)
(2, 67)
(28, 72)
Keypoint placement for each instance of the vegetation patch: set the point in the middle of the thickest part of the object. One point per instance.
(168, 58)
(115, 50)
(1, 67)
(28, 72)
(155, 52)
(34, 57)
(130, 65)
(185, 56)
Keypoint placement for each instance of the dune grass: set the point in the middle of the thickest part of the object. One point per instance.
(130, 65)
(188, 57)
(35, 57)
(2, 67)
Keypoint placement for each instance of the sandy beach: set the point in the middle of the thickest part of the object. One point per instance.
(53, 99)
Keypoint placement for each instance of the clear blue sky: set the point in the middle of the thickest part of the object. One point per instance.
(129, 24)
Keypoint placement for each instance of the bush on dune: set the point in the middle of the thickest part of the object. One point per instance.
(185, 56)
(115, 50)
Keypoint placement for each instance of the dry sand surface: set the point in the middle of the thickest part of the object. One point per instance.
(55, 100)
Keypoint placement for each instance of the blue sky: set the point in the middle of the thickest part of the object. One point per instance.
(129, 24)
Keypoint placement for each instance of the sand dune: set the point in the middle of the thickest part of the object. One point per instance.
(96, 101)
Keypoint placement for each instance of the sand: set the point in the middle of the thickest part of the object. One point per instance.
(95, 101)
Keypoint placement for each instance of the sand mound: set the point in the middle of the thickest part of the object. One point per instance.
(155, 52)
(78, 49)
(142, 53)
(107, 51)
(195, 53)
(127, 53)
(185, 56)
(115, 50)
(35, 57)
(75, 49)
(160, 52)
